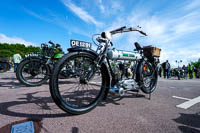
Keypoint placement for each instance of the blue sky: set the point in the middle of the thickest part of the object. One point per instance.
(172, 25)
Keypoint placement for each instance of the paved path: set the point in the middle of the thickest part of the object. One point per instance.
(129, 114)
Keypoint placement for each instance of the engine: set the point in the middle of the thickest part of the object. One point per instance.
(123, 74)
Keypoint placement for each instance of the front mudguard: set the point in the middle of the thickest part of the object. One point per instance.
(104, 66)
(40, 59)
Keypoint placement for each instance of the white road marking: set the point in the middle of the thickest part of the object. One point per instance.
(181, 98)
(189, 103)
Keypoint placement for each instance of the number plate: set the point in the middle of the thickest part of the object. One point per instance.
(76, 43)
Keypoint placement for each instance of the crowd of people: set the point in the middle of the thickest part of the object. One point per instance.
(184, 71)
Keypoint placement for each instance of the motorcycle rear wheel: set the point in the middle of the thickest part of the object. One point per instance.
(149, 77)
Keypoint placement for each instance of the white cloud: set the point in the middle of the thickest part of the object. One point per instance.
(13, 40)
(59, 21)
(82, 14)
(37, 15)
(110, 8)
(193, 4)
(102, 8)
(173, 34)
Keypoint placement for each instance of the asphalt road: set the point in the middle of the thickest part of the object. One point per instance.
(127, 114)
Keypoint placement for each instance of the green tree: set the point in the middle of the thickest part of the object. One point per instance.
(196, 63)
(8, 50)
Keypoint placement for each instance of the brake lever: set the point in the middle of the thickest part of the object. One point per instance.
(143, 33)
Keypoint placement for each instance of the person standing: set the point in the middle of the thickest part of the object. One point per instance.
(190, 70)
(166, 67)
(160, 71)
(16, 60)
(195, 71)
(185, 71)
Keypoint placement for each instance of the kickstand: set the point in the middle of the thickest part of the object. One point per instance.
(150, 96)
(137, 93)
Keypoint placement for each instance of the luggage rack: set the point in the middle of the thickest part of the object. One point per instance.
(151, 51)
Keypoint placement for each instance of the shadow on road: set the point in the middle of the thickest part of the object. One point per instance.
(46, 104)
(114, 98)
(41, 102)
(11, 84)
(11, 78)
(190, 122)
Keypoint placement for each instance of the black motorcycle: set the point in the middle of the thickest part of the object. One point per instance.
(36, 68)
(95, 76)
(5, 65)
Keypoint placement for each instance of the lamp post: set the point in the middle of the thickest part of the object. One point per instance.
(178, 62)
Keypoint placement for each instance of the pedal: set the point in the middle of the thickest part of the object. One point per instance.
(121, 91)
(114, 89)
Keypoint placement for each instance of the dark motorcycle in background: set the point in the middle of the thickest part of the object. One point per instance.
(5, 65)
(99, 71)
(36, 68)
(178, 72)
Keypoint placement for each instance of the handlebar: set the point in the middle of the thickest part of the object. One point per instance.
(124, 29)
(54, 45)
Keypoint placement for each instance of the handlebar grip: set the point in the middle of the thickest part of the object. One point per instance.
(100, 40)
(50, 42)
(143, 33)
(58, 45)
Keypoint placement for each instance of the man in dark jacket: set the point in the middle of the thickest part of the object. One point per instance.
(166, 67)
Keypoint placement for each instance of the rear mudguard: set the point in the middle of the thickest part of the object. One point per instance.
(139, 76)
(83, 49)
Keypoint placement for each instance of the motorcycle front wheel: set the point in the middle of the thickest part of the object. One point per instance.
(81, 90)
(31, 72)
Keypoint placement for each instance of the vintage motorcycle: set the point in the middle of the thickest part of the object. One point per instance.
(99, 71)
(36, 68)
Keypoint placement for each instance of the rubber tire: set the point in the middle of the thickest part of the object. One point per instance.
(54, 90)
(25, 82)
(144, 89)
(5, 67)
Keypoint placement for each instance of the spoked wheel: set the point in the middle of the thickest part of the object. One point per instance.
(32, 72)
(149, 78)
(81, 90)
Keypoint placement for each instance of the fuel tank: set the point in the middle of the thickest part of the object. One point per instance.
(115, 54)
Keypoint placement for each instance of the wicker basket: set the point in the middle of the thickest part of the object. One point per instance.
(151, 51)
